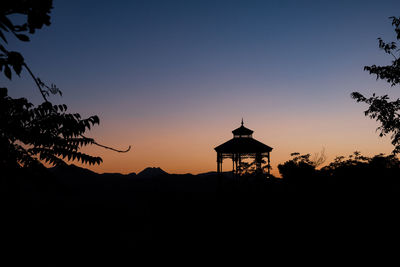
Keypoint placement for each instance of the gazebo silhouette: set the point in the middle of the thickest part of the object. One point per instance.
(243, 146)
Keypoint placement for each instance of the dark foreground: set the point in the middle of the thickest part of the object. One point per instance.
(77, 218)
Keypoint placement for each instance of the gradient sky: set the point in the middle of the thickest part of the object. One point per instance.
(174, 78)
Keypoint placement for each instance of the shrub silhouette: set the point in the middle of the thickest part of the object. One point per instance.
(358, 172)
(298, 170)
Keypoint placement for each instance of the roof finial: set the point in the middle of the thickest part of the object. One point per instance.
(242, 121)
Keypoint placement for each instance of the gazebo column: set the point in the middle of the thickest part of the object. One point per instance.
(258, 162)
(233, 163)
(269, 164)
(238, 163)
(219, 162)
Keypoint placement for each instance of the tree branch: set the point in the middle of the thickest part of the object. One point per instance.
(107, 147)
(113, 149)
(36, 81)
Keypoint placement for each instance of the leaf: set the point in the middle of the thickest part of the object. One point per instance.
(7, 71)
(22, 37)
(17, 68)
(4, 20)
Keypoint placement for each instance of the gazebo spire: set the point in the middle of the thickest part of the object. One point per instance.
(242, 121)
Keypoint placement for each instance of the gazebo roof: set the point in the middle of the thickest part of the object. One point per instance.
(242, 131)
(243, 145)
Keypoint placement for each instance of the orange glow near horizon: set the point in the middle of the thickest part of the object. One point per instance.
(181, 149)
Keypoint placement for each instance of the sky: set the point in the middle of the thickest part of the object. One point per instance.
(174, 78)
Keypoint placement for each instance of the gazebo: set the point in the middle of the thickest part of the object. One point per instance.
(243, 146)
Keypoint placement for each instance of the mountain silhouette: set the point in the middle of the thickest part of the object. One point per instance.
(75, 171)
(151, 172)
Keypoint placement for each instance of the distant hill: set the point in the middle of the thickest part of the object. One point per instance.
(75, 171)
(152, 182)
(151, 172)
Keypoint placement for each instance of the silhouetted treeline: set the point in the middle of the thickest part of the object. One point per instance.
(356, 173)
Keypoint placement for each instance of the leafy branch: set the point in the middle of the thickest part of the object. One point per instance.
(381, 109)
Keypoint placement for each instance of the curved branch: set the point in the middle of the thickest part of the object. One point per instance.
(44, 97)
(113, 149)
(36, 81)
(107, 147)
(393, 55)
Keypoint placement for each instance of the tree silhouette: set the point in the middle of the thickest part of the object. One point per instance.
(299, 169)
(250, 168)
(31, 135)
(380, 108)
(46, 132)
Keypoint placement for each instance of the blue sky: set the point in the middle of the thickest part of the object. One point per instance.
(162, 71)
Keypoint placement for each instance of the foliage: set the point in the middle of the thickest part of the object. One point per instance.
(35, 15)
(247, 168)
(298, 166)
(250, 168)
(355, 162)
(354, 172)
(386, 112)
(46, 132)
(319, 158)
(389, 73)
(30, 135)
